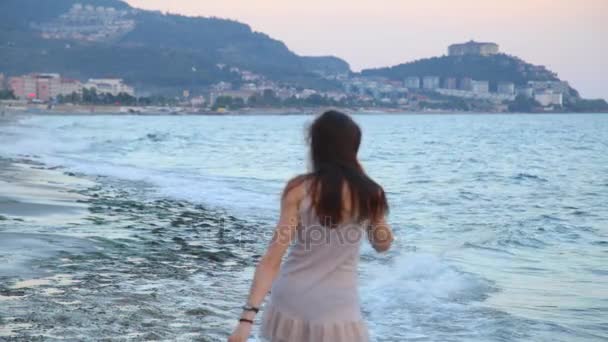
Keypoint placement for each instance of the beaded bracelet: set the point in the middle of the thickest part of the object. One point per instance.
(251, 308)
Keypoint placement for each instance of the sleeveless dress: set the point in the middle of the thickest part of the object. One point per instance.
(315, 296)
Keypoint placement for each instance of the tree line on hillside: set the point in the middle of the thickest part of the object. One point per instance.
(7, 95)
(268, 99)
(92, 97)
(495, 69)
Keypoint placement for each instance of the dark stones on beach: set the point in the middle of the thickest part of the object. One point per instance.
(12, 292)
(167, 243)
(199, 312)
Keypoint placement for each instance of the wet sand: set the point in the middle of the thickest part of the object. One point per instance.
(32, 193)
(80, 258)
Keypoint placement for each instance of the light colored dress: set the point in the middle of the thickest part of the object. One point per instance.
(315, 297)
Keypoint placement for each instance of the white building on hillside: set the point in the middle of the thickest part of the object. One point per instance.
(112, 86)
(507, 88)
(412, 82)
(68, 87)
(431, 82)
(555, 86)
(549, 98)
(480, 87)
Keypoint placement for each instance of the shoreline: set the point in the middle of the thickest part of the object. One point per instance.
(37, 193)
(11, 109)
(36, 203)
(9, 115)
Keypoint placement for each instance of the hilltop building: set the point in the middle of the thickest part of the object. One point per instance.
(473, 48)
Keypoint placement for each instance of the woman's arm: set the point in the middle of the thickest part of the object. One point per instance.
(269, 265)
(380, 235)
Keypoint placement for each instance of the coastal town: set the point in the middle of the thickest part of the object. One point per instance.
(424, 92)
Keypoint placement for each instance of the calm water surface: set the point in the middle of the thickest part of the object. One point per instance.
(502, 225)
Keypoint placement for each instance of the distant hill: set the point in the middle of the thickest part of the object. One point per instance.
(326, 65)
(146, 48)
(494, 68)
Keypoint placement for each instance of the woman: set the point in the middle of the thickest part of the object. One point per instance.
(325, 214)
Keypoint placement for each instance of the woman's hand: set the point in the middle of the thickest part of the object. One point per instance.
(380, 235)
(241, 333)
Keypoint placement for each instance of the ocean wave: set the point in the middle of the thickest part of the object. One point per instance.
(157, 137)
(422, 279)
(487, 248)
(418, 291)
(527, 176)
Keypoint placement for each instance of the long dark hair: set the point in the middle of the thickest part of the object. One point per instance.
(334, 140)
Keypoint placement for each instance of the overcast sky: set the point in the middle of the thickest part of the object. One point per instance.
(570, 37)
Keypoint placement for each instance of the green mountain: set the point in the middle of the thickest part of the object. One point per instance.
(326, 65)
(100, 38)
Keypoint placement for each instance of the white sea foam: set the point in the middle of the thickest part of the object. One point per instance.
(89, 155)
(415, 288)
(423, 278)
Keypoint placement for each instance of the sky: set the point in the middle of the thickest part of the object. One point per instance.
(569, 37)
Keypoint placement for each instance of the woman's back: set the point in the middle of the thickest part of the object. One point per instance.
(315, 296)
(324, 216)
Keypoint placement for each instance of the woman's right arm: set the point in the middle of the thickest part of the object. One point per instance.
(380, 235)
(270, 264)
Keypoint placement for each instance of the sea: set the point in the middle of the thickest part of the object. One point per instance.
(501, 224)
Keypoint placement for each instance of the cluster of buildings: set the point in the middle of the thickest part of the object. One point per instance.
(88, 23)
(464, 87)
(546, 93)
(280, 92)
(254, 84)
(358, 90)
(46, 87)
(402, 93)
(390, 90)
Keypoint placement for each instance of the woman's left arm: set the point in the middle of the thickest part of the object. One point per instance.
(270, 264)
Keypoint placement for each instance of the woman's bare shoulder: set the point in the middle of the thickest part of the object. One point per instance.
(296, 188)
